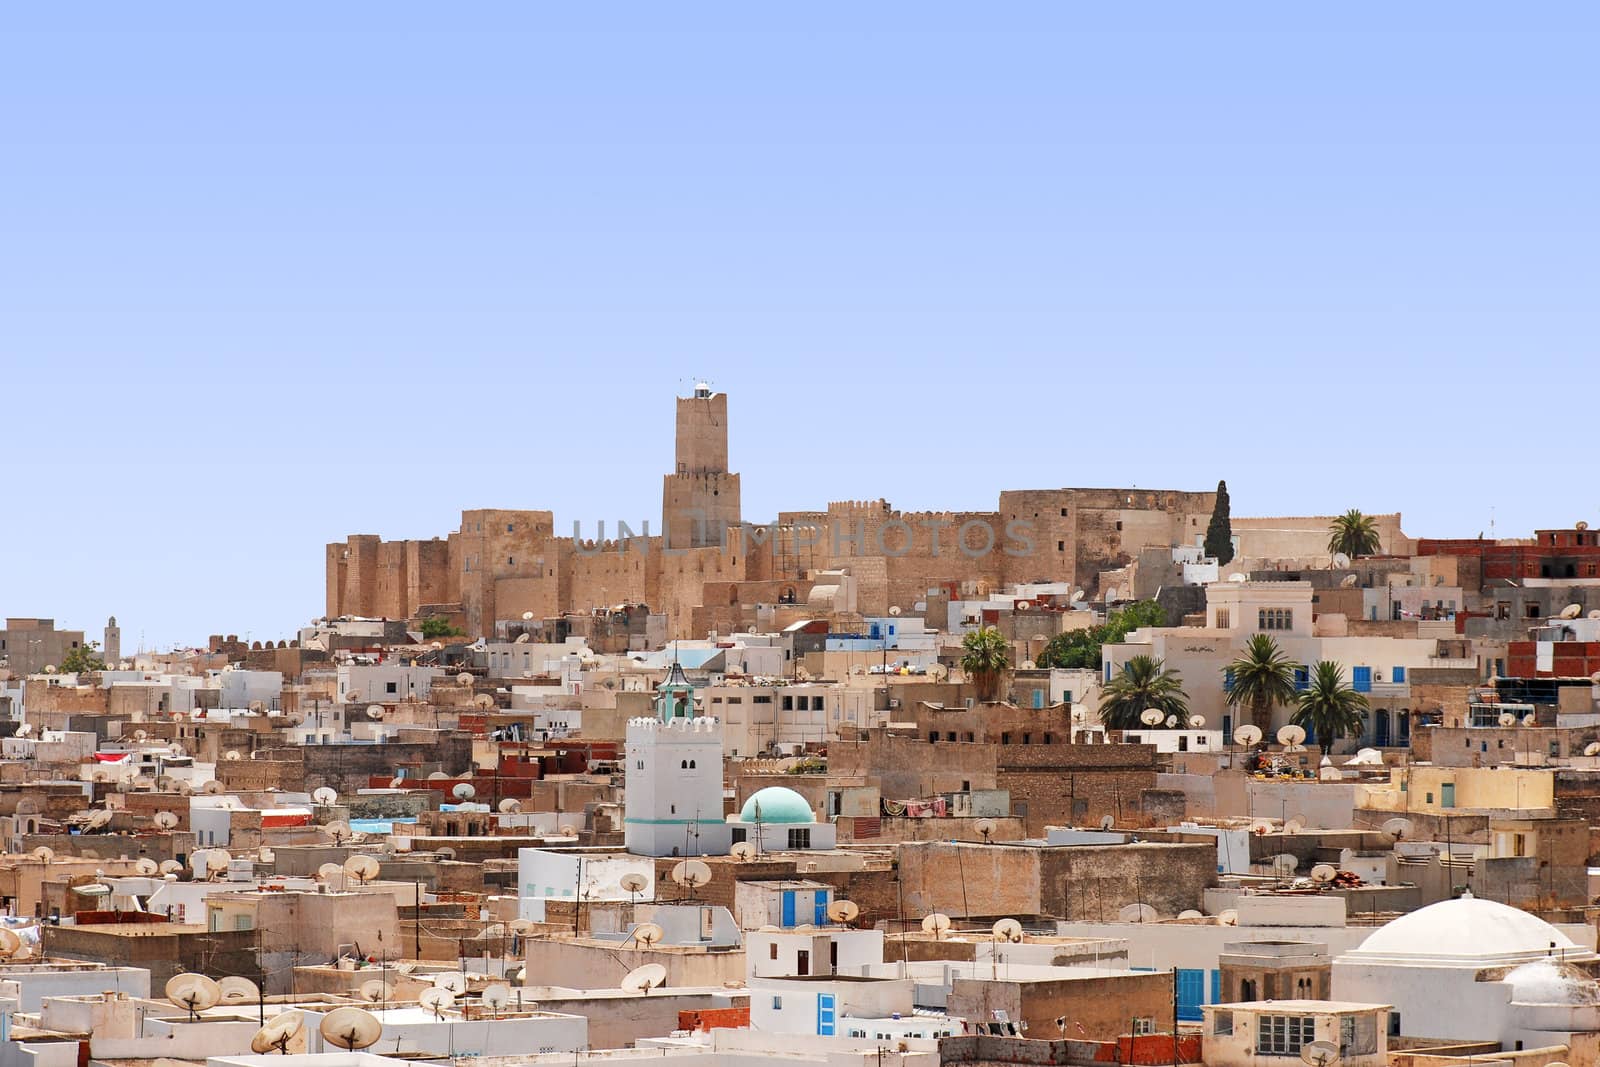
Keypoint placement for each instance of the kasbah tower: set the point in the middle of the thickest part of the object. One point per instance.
(705, 573)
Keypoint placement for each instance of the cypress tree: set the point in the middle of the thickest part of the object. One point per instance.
(1219, 532)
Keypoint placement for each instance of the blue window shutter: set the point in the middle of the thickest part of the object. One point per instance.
(788, 907)
(1227, 680)
(820, 911)
(1191, 993)
(1038, 698)
(825, 1014)
(1399, 675)
(1302, 678)
(1361, 679)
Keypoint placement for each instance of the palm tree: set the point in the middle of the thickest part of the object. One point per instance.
(1329, 709)
(1143, 683)
(1262, 680)
(1354, 534)
(984, 656)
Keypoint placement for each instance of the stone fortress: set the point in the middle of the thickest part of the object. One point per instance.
(707, 569)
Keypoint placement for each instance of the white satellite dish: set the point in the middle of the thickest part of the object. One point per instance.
(1572, 611)
(1228, 917)
(1023, 605)
(936, 923)
(350, 1028)
(233, 755)
(1107, 821)
(375, 712)
(1007, 930)
(324, 795)
(213, 787)
(510, 806)
(453, 981)
(1291, 737)
(843, 911)
(169, 867)
(464, 678)
(634, 882)
(361, 868)
(743, 851)
(146, 867)
(1247, 734)
(522, 639)
(1507, 719)
(238, 990)
(192, 992)
(495, 995)
(1323, 873)
(1197, 722)
(1137, 913)
(985, 828)
(1152, 716)
(893, 610)
(436, 1000)
(376, 991)
(338, 830)
(1190, 913)
(276, 1035)
(1530, 720)
(1398, 828)
(643, 979)
(1295, 824)
(648, 934)
(463, 791)
(1320, 1053)
(329, 871)
(1284, 864)
(1592, 748)
(691, 874)
(522, 927)
(1340, 561)
(527, 616)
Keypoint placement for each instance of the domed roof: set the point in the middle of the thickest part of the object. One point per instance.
(1465, 932)
(778, 804)
(1549, 982)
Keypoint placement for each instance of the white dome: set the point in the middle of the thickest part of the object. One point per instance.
(1549, 982)
(1466, 931)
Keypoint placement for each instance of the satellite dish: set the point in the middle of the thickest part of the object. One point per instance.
(375, 713)
(522, 927)
(436, 1000)
(9, 943)
(44, 853)
(1190, 913)
(232, 756)
(350, 1028)
(165, 782)
(445, 853)
(463, 678)
(463, 791)
(1237, 578)
(361, 868)
(1197, 722)
(193, 992)
(1320, 1053)
(510, 805)
(843, 911)
(743, 851)
(1247, 734)
(691, 874)
(1027, 665)
(1572, 611)
(338, 830)
(1008, 930)
(1107, 821)
(527, 616)
(1507, 719)
(1397, 828)
(643, 979)
(238, 990)
(894, 610)
(1284, 864)
(169, 867)
(1023, 605)
(1529, 720)
(1137, 913)
(985, 828)
(140, 735)
(324, 795)
(648, 934)
(1323, 873)
(1152, 716)
(1349, 581)
(212, 787)
(1291, 735)
(484, 701)
(1340, 561)
(496, 995)
(1228, 917)
(936, 923)
(146, 866)
(329, 871)
(453, 981)
(376, 990)
(1295, 824)
(1592, 748)
(634, 882)
(276, 1035)
(568, 830)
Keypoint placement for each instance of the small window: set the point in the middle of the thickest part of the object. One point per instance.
(1222, 1022)
(777, 1003)
(772, 951)
(800, 838)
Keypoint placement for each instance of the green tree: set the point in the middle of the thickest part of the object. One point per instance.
(984, 656)
(438, 626)
(1262, 680)
(1143, 683)
(1329, 709)
(1219, 532)
(82, 659)
(1081, 648)
(1354, 534)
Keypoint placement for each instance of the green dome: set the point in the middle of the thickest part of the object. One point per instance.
(778, 805)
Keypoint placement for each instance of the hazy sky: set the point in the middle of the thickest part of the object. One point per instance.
(272, 277)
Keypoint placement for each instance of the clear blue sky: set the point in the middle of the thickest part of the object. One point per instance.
(269, 277)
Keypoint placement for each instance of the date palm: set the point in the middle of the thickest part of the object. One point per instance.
(1142, 683)
(984, 656)
(1330, 709)
(1354, 534)
(1262, 680)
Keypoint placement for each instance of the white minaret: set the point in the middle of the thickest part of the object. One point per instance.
(111, 649)
(672, 801)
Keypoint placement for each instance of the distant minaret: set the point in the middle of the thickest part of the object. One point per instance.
(111, 650)
(700, 499)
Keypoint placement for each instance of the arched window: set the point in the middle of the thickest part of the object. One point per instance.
(691, 765)
(684, 765)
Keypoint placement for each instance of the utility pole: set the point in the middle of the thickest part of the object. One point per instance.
(1174, 1016)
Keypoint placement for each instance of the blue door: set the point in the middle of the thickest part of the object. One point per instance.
(788, 908)
(1191, 993)
(821, 910)
(825, 1014)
